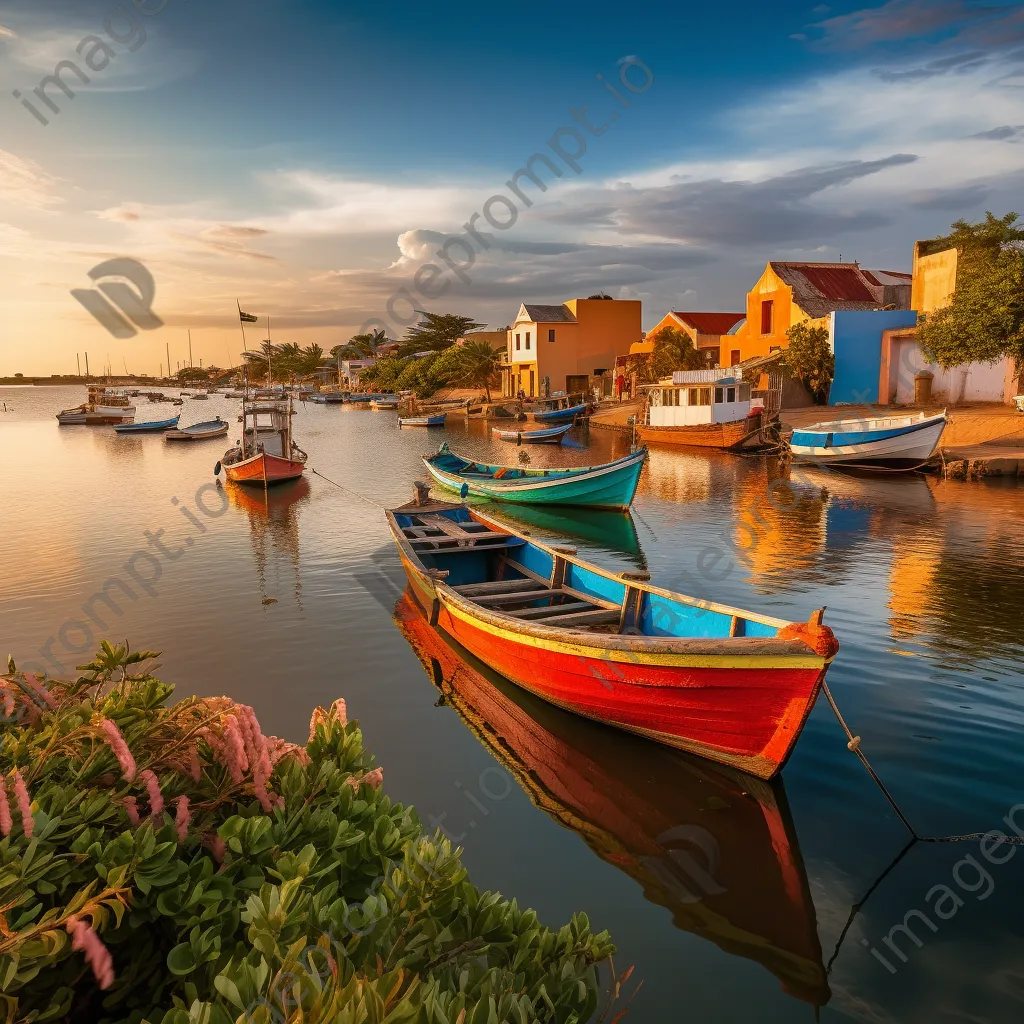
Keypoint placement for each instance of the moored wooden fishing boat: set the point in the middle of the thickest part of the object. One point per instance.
(714, 846)
(384, 403)
(152, 427)
(198, 431)
(423, 421)
(554, 415)
(611, 485)
(267, 453)
(728, 684)
(702, 409)
(888, 443)
(546, 435)
(102, 407)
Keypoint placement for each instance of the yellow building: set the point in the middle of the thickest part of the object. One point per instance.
(934, 277)
(563, 347)
(709, 332)
(791, 293)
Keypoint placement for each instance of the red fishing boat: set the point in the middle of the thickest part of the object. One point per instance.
(725, 683)
(266, 454)
(716, 847)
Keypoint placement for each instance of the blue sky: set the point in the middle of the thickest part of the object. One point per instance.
(307, 160)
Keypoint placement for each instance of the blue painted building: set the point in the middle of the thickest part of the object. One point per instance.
(856, 340)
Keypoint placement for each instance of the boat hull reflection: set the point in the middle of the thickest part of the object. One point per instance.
(714, 846)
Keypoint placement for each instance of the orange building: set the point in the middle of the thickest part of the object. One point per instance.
(791, 293)
(563, 347)
(709, 333)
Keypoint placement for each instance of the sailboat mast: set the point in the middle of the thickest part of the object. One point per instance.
(270, 352)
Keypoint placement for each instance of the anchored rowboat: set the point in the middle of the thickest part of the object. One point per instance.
(423, 421)
(611, 485)
(152, 427)
(547, 435)
(716, 847)
(198, 431)
(384, 403)
(728, 684)
(883, 442)
(554, 415)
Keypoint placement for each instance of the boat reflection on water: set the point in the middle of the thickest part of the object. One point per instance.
(716, 847)
(274, 526)
(612, 531)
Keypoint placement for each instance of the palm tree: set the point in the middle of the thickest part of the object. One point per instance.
(310, 359)
(478, 364)
(361, 346)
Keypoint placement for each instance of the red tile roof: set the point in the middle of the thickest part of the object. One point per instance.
(710, 323)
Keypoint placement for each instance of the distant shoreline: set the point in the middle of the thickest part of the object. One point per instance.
(115, 382)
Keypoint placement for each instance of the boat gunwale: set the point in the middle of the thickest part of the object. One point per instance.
(864, 426)
(573, 473)
(608, 641)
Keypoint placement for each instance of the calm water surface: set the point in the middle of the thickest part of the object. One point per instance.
(728, 895)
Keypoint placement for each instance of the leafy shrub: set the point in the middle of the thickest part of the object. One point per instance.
(177, 866)
(810, 360)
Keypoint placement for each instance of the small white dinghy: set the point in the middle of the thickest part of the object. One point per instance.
(198, 431)
(891, 443)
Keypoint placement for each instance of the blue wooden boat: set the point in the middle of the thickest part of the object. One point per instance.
(422, 421)
(152, 427)
(554, 415)
(891, 443)
(611, 485)
(546, 435)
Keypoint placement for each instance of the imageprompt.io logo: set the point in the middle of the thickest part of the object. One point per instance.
(132, 304)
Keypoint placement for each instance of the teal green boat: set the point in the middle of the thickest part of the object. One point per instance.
(611, 485)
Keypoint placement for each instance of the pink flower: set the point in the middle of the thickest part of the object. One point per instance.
(156, 800)
(8, 699)
(194, 767)
(182, 817)
(216, 847)
(35, 685)
(277, 800)
(24, 804)
(116, 742)
(374, 779)
(97, 956)
(130, 809)
(6, 823)
(339, 710)
(234, 750)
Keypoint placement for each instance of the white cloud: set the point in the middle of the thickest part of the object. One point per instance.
(24, 183)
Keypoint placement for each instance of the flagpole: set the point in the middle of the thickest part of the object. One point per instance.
(242, 326)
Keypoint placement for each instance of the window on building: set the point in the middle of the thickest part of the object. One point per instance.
(719, 395)
(527, 339)
(775, 348)
(767, 316)
(744, 393)
(551, 334)
(730, 394)
(734, 357)
(517, 342)
(705, 396)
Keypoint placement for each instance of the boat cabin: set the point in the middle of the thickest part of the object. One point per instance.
(695, 397)
(267, 427)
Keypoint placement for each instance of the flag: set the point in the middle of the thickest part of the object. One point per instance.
(247, 318)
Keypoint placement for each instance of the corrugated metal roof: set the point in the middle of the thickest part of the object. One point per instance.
(821, 288)
(549, 314)
(710, 323)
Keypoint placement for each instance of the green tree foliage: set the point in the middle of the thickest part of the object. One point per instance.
(195, 373)
(809, 359)
(289, 361)
(478, 364)
(360, 346)
(170, 863)
(984, 321)
(673, 350)
(437, 331)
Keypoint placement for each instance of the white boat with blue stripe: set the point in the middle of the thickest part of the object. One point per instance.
(891, 443)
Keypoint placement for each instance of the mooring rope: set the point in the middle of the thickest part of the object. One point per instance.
(854, 745)
(347, 490)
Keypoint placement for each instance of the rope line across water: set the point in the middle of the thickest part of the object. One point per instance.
(853, 744)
